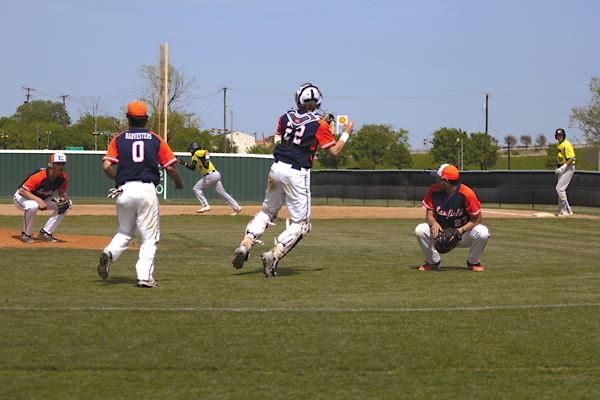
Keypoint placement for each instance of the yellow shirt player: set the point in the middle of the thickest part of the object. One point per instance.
(210, 177)
(565, 169)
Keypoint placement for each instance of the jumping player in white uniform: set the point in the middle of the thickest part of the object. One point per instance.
(301, 130)
(210, 178)
(138, 153)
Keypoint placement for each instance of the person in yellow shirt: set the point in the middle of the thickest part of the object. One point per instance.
(210, 178)
(565, 168)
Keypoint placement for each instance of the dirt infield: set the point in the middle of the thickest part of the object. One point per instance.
(10, 238)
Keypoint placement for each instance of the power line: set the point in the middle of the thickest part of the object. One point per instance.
(528, 96)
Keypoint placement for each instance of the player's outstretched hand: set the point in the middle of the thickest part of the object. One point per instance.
(348, 126)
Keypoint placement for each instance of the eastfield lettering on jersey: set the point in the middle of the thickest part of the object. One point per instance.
(449, 213)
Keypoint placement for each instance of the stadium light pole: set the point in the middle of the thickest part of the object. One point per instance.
(462, 156)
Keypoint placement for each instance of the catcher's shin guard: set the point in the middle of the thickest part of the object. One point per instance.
(256, 227)
(290, 237)
(254, 230)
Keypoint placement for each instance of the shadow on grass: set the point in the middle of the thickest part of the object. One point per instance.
(444, 269)
(283, 271)
(118, 280)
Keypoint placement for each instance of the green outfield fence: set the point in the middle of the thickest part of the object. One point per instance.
(244, 176)
(502, 187)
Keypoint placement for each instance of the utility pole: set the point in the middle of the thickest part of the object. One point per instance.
(25, 118)
(231, 126)
(486, 129)
(508, 144)
(37, 138)
(64, 96)
(224, 119)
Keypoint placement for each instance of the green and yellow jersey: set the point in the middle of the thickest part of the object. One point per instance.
(564, 151)
(198, 161)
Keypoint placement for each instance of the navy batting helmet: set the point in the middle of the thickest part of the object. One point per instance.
(194, 146)
(560, 132)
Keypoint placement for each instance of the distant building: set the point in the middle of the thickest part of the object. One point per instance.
(243, 141)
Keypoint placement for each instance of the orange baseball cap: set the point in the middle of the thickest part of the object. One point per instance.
(58, 158)
(137, 109)
(446, 171)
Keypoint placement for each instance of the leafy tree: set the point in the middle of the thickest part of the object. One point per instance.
(510, 140)
(40, 111)
(399, 150)
(262, 149)
(475, 150)
(526, 140)
(587, 119)
(373, 143)
(185, 136)
(333, 162)
(446, 148)
(179, 94)
(540, 140)
(551, 156)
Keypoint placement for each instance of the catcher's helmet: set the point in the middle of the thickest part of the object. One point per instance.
(308, 92)
(194, 146)
(560, 132)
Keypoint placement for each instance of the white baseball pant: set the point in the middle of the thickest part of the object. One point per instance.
(213, 179)
(561, 188)
(137, 206)
(291, 186)
(31, 207)
(474, 239)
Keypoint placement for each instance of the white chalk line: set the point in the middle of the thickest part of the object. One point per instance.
(482, 308)
(507, 213)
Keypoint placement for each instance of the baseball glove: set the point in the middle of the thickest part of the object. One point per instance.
(447, 240)
(330, 119)
(62, 203)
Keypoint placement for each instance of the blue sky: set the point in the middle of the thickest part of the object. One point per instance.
(416, 65)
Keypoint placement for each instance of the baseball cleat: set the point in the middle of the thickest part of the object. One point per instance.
(104, 264)
(203, 209)
(430, 267)
(269, 264)
(564, 213)
(240, 256)
(26, 238)
(474, 267)
(150, 283)
(46, 236)
(236, 212)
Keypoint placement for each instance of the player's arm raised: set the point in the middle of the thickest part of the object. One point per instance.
(336, 149)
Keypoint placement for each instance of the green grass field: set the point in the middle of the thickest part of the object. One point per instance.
(348, 317)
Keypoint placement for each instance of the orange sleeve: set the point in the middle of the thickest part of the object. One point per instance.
(165, 154)
(324, 135)
(63, 188)
(34, 180)
(471, 201)
(427, 200)
(112, 154)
